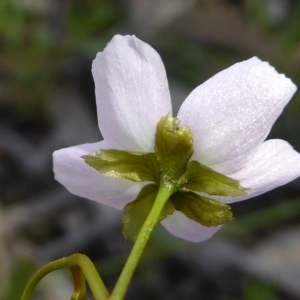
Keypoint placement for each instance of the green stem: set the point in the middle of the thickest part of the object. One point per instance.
(121, 286)
(91, 275)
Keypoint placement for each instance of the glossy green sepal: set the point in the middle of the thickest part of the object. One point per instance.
(134, 166)
(136, 212)
(200, 178)
(203, 210)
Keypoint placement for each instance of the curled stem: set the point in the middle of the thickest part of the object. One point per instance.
(83, 270)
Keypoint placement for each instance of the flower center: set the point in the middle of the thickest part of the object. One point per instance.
(169, 166)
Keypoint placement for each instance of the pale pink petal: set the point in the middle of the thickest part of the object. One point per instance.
(84, 181)
(182, 227)
(232, 113)
(132, 93)
(275, 163)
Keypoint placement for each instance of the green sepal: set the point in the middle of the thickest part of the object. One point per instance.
(200, 178)
(136, 212)
(173, 149)
(134, 166)
(203, 210)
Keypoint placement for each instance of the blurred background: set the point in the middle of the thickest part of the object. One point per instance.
(47, 102)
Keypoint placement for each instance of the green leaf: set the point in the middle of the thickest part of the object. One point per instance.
(173, 149)
(200, 178)
(203, 210)
(136, 212)
(134, 166)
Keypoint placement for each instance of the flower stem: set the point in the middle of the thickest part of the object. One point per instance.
(121, 286)
(82, 269)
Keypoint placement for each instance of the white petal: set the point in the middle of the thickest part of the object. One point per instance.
(275, 163)
(182, 227)
(84, 181)
(132, 93)
(232, 113)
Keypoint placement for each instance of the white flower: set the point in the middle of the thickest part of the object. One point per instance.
(230, 116)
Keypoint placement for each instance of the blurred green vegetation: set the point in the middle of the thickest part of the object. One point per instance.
(284, 24)
(258, 290)
(36, 46)
(20, 275)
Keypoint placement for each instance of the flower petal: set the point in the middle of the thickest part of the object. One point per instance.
(132, 93)
(182, 227)
(84, 181)
(275, 163)
(232, 113)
